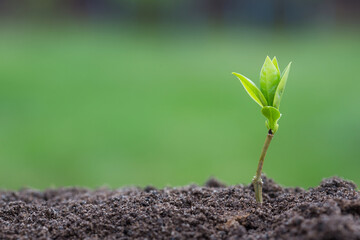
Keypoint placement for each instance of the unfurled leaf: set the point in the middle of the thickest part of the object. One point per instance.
(252, 90)
(272, 115)
(281, 87)
(269, 80)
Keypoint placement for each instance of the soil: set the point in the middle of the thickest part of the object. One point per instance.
(213, 211)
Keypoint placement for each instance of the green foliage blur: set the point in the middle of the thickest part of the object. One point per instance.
(94, 106)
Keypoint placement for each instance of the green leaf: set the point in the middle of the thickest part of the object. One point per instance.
(274, 61)
(272, 115)
(269, 80)
(252, 90)
(281, 87)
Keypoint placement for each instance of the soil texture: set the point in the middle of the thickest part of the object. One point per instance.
(213, 211)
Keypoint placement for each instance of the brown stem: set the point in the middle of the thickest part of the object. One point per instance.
(257, 182)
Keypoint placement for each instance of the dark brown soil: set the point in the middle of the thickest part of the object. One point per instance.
(214, 211)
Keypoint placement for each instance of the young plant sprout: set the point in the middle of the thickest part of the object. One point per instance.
(272, 85)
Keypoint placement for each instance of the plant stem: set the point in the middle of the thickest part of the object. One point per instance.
(257, 182)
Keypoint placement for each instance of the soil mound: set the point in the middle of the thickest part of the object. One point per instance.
(213, 211)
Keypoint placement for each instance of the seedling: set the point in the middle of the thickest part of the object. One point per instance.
(272, 85)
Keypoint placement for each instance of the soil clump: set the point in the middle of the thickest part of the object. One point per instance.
(214, 211)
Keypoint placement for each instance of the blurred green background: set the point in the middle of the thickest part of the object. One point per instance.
(93, 102)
